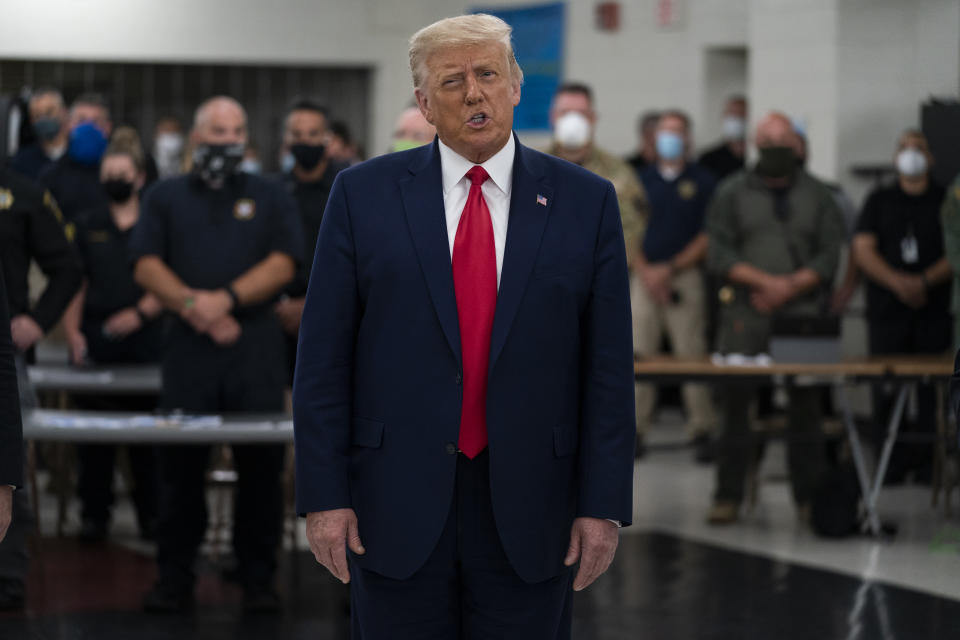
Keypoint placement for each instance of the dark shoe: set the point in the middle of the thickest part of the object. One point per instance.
(167, 598)
(703, 450)
(92, 532)
(260, 598)
(640, 449)
(723, 512)
(12, 594)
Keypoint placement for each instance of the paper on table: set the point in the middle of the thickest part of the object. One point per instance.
(740, 360)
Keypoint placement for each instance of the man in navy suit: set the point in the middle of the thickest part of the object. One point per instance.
(463, 398)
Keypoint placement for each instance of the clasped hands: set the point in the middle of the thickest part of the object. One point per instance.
(593, 541)
(657, 279)
(208, 312)
(774, 291)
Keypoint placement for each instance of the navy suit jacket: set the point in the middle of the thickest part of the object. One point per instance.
(377, 387)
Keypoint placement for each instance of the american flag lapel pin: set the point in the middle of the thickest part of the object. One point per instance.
(541, 200)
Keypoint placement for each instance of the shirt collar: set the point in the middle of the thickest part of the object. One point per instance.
(499, 167)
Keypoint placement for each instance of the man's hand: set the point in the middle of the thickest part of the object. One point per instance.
(208, 307)
(910, 289)
(25, 331)
(773, 293)
(329, 533)
(78, 348)
(841, 298)
(122, 323)
(656, 278)
(225, 331)
(594, 542)
(6, 509)
(289, 311)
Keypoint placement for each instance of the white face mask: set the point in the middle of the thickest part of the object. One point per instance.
(911, 162)
(572, 130)
(734, 128)
(167, 151)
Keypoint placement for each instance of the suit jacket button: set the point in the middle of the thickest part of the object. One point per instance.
(451, 449)
(459, 377)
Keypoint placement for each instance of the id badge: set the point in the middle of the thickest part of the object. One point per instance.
(909, 251)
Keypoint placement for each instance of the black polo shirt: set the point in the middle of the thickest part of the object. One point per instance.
(105, 251)
(76, 186)
(677, 209)
(892, 216)
(210, 237)
(721, 162)
(311, 200)
(31, 229)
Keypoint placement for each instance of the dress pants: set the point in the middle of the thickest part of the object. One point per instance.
(684, 321)
(738, 442)
(926, 331)
(467, 589)
(257, 516)
(199, 377)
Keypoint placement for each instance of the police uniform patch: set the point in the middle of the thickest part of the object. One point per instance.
(6, 199)
(244, 209)
(956, 193)
(98, 236)
(687, 189)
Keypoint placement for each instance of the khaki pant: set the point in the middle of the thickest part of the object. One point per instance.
(685, 324)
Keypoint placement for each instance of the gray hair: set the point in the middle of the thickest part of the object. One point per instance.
(460, 31)
(202, 112)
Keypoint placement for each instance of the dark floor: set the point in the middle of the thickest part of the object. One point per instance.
(660, 587)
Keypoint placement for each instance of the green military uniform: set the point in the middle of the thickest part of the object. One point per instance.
(951, 240)
(630, 194)
(743, 226)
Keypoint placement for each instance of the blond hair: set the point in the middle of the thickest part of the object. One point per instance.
(126, 141)
(460, 31)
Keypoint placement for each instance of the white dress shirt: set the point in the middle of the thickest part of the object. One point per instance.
(496, 192)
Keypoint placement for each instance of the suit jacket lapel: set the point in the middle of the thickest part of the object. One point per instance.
(528, 217)
(422, 194)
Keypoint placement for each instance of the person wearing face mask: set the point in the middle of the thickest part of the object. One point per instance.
(774, 236)
(899, 246)
(31, 230)
(217, 247)
(110, 321)
(668, 294)
(48, 117)
(74, 179)
(412, 130)
(573, 120)
(309, 181)
(168, 147)
(727, 157)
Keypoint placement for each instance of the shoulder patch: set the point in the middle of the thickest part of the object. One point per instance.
(244, 209)
(6, 199)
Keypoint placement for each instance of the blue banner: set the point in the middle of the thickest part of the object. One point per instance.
(538, 44)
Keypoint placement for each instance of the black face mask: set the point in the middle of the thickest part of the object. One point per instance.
(776, 162)
(118, 190)
(214, 163)
(308, 156)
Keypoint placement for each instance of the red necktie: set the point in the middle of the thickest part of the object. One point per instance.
(475, 284)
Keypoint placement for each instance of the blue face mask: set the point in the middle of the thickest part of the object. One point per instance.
(669, 145)
(87, 144)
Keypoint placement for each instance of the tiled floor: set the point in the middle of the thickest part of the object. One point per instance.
(674, 578)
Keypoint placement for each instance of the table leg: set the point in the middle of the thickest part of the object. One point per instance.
(859, 460)
(893, 428)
